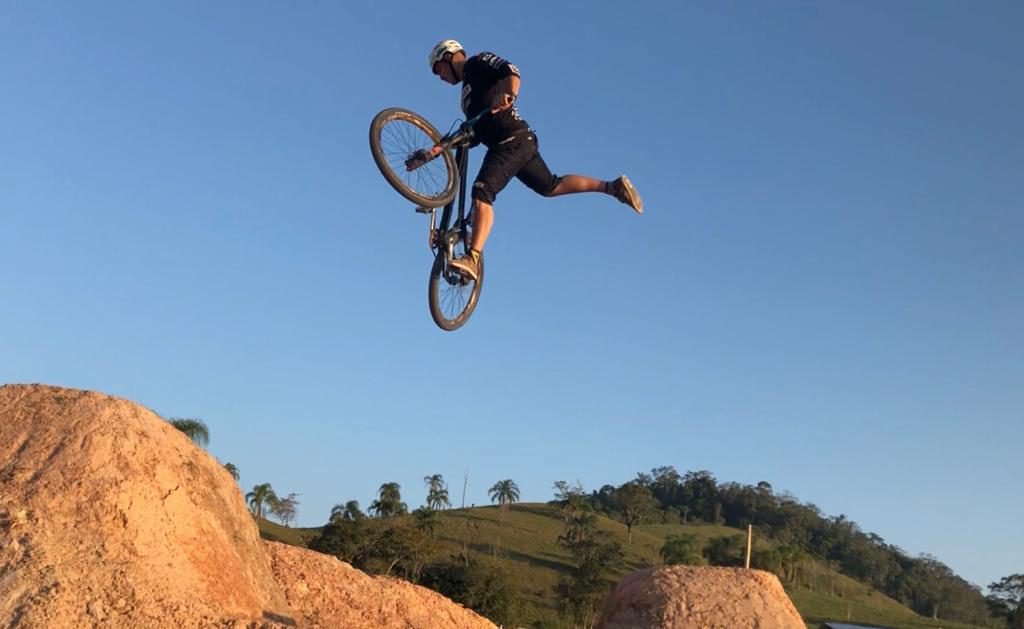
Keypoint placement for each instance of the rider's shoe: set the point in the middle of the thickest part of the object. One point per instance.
(623, 190)
(467, 265)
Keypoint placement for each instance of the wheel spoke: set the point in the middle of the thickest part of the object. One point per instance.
(400, 138)
(454, 298)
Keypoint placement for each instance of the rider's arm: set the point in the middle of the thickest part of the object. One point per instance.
(505, 93)
(506, 76)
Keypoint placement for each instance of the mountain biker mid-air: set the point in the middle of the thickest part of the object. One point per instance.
(490, 83)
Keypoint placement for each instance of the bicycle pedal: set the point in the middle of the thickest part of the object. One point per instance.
(423, 210)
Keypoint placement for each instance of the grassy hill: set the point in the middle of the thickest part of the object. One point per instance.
(295, 537)
(527, 542)
(854, 602)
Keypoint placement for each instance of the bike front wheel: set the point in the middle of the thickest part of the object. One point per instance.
(396, 135)
(451, 296)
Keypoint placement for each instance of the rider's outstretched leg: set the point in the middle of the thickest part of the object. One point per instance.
(621, 188)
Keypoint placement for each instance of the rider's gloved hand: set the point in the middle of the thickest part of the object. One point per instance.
(421, 157)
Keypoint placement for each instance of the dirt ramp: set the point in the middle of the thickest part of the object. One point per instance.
(683, 597)
(325, 592)
(109, 516)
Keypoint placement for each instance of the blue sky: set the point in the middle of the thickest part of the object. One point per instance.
(826, 291)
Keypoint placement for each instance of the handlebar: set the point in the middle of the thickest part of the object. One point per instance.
(464, 134)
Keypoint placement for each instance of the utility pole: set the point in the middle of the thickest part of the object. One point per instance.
(750, 534)
(465, 482)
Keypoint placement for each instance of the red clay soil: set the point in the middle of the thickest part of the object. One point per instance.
(684, 597)
(111, 517)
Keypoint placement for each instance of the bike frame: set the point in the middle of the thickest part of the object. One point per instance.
(452, 293)
(441, 237)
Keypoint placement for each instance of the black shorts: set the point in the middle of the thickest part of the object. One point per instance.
(518, 157)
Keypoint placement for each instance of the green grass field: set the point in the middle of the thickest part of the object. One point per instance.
(527, 542)
(854, 602)
(295, 537)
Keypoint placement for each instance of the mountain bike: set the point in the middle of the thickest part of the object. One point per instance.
(418, 163)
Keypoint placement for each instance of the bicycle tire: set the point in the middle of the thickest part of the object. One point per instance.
(438, 280)
(430, 199)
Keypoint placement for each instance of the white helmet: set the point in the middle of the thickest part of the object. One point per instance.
(440, 50)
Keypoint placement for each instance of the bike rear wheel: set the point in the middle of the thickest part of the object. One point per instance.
(395, 135)
(451, 296)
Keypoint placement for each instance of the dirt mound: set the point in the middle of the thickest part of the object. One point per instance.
(326, 592)
(674, 597)
(111, 517)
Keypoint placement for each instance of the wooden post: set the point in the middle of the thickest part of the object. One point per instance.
(750, 535)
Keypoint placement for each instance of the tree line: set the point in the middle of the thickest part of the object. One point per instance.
(473, 578)
(800, 533)
(382, 541)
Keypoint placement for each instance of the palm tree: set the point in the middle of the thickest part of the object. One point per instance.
(434, 482)
(194, 429)
(576, 504)
(259, 496)
(437, 495)
(389, 503)
(233, 470)
(348, 512)
(426, 520)
(579, 527)
(504, 492)
(791, 558)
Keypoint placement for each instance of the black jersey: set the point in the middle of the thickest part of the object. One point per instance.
(479, 76)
